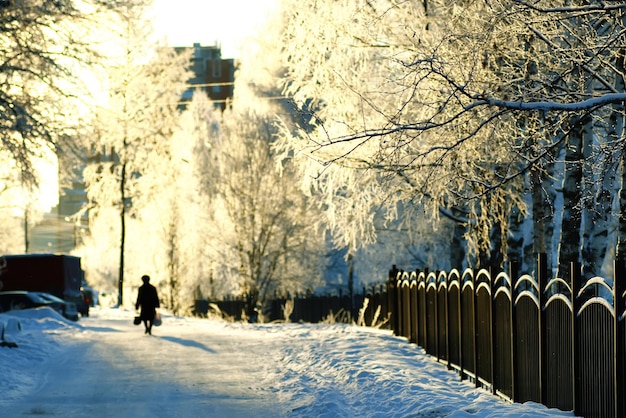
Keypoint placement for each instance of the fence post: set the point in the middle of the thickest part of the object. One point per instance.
(447, 318)
(575, 283)
(436, 309)
(399, 307)
(542, 280)
(513, 276)
(424, 305)
(406, 305)
(392, 302)
(474, 319)
(619, 351)
(492, 338)
(414, 306)
(460, 330)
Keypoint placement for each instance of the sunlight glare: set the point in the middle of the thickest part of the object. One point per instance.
(211, 22)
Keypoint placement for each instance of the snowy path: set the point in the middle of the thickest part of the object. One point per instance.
(113, 370)
(106, 367)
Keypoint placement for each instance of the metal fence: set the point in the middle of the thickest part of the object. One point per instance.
(308, 307)
(556, 342)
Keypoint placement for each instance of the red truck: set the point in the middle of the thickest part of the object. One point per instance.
(60, 275)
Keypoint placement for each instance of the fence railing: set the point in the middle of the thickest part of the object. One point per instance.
(558, 342)
(309, 307)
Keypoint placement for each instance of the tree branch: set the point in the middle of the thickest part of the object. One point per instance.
(549, 106)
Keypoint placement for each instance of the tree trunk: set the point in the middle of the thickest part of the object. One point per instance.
(457, 248)
(620, 125)
(351, 279)
(496, 256)
(621, 236)
(120, 297)
(543, 204)
(541, 201)
(173, 262)
(26, 232)
(570, 242)
(519, 247)
(597, 211)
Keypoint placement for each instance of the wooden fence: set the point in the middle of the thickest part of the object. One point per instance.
(556, 342)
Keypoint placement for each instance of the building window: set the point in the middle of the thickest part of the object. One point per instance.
(217, 68)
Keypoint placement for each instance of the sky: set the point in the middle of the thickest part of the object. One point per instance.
(225, 22)
(192, 367)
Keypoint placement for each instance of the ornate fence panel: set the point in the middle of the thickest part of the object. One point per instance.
(392, 300)
(468, 325)
(619, 301)
(401, 308)
(413, 306)
(431, 315)
(560, 343)
(484, 328)
(558, 330)
(502, 334)
(406, 306)
(421, 309)
(454, 321)
(594, 348)
(442, 317)
(527, 340)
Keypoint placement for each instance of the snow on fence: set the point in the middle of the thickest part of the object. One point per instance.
(558, 342)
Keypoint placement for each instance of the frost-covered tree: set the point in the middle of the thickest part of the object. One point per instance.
(262, 239)
(177, 212)
(44, 49)
(130, 144)
(354, 72)
(41, 47)
(16, 213)
(462, 109)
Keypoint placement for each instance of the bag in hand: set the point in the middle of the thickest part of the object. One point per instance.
(157, 319)
(137, 320)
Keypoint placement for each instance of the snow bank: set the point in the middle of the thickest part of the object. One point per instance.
(293, 370)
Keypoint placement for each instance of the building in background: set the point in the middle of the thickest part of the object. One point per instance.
(64, 226)
(211, 74)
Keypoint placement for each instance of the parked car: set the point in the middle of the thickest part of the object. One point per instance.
(21, 299)
(65, 308)
(82, 304)
(58, 274)
(90, 295)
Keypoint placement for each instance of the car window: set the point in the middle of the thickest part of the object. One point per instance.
(49, 297)
(37, 298)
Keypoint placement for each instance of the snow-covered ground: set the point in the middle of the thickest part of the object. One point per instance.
(103, 366)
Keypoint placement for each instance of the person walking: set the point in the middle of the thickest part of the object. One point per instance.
(148, 299)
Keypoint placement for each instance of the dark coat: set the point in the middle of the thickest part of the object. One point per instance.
(148, 300)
